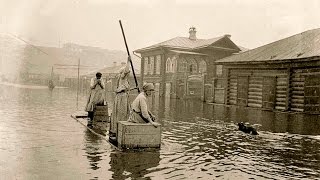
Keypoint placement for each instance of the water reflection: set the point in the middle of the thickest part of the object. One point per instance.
(134, 165)
(92, 149)
(199, 140)
(207, 137)
(277, 122)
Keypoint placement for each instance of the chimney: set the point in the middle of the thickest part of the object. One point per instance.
(228, 35)
(114, 64)
(192, 33)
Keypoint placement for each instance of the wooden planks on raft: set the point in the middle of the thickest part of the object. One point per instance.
(131, 136)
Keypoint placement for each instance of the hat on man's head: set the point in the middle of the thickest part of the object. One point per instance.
(98, 74)
(148, 87)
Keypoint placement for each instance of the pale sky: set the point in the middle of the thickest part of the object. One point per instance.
(251, 23)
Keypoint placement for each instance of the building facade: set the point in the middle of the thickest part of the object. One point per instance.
(283, 75)
(184, 67)
(110, 76)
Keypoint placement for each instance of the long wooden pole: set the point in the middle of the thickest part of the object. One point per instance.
(78, 81)
(52, 72)
(125, 41)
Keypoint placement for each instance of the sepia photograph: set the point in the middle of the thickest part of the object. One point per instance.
(159, 89)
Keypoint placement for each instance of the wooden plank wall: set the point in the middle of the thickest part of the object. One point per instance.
(256, 84)
(298, 86)
(232, 89)
(255, 91)
(296, 100)
(281, 91)
(297, 93)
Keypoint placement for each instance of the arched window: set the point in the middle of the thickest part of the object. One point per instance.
(146, 65)
(202, 66)
(182, 67)
(151, 65)
(168, 65)
(174, 64)
(158, 64)
(192, 68)
(185, 66)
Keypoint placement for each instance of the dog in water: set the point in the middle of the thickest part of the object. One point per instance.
(247, 129)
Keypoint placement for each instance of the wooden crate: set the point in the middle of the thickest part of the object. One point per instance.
(100, 118)
(101, 114)
(137, 135)
(101, 110)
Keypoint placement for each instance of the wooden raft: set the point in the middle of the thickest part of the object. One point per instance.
(130, 135)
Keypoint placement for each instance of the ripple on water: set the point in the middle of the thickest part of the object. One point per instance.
(219, 148)
(40, 138)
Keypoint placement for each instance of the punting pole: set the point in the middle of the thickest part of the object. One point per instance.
(125, 41)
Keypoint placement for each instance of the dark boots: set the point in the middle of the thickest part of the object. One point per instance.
(90, 121)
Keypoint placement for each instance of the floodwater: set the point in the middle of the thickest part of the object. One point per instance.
(39, 140)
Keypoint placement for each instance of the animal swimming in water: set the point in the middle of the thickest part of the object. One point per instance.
(247, 129)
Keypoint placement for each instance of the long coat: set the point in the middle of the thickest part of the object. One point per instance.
(96, 95)
(121, 105)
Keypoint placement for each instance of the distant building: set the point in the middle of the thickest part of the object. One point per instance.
(110, 74)
(180, 67)
(283, 75)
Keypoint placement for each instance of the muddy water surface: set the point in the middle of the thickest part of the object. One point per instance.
(39, 140)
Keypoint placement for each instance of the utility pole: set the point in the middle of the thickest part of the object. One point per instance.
(78, 82)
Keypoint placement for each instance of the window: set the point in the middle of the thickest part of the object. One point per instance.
(192, 66)
(151, 65)
(146, 65)
(158, 64)
(182, 65)
(218, 70)
(168, 65)
(174, 64)
(202, 66)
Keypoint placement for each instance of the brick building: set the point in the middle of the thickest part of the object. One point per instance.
(180, 67)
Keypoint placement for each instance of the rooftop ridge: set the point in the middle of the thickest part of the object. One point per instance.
(291, 48)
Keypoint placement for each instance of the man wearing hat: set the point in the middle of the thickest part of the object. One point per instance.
(140, 111)
(96, 96)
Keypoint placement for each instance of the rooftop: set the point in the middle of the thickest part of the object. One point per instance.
(183, 43)
(188, 52)
(110, 70)
(193, 43)
(299, 46)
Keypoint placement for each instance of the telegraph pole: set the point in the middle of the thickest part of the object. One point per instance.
(78, 84)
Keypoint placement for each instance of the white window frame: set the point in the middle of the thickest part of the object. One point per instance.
(219, 70)
(168, 65)
(158, 64)
(151, 65)
(194, 66)
(146, 65)
(174, 64)
(202, 66)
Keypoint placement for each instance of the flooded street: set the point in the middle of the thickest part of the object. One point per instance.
(39, 140)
